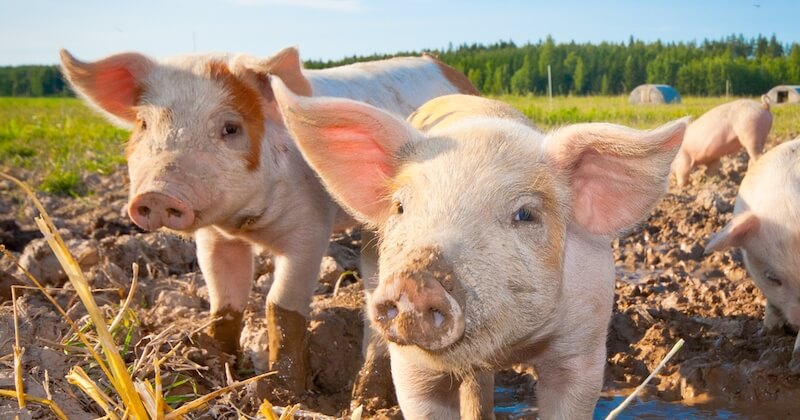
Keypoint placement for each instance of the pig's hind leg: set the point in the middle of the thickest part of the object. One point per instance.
(227, 266)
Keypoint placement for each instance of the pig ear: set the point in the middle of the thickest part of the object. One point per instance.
(285, 64)
(351, 145)
(113, 84)
(617, 173)
(735, 233)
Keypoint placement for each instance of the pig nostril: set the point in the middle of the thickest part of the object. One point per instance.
(388, 312)
(143, 210)
(438, 318)
(174, 212)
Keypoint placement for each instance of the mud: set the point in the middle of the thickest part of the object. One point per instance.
(666, 290)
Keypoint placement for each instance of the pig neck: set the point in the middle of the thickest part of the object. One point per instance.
(271, 215)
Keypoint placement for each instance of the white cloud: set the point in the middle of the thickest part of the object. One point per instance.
(333, 5)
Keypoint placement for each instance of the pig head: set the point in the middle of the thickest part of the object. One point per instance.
(195, 154)
(494, 239)
(765, 225)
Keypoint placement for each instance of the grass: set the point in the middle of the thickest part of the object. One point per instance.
(616, 109)
(57, 140)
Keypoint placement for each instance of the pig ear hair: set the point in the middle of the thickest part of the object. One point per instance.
(735, 233)
(351, 145)
(113, 85)
(285, 64)
(617, 173)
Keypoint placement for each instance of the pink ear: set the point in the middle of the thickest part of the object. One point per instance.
(351, 145)
(617, 173)
(113, 84)
(735, 233)
(285, 64)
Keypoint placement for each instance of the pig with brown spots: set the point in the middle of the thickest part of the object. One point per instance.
(766, 225)
(721, 131)
(494, 239)
(210, 156)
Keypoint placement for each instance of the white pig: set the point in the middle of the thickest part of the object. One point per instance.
(723, 130)
(210, 156)
(494, 239)
(766, 226)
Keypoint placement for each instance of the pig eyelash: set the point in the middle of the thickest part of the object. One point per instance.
(525, 215)
(771, 277)
(397, 207)
(231, 129)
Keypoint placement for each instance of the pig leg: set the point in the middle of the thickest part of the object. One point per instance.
(373, 388)
(712, 168)
(423, 393)
(477, 396)
(227, 266)
(296, 274)
(568, 388)
(681, 167)
(773, 319)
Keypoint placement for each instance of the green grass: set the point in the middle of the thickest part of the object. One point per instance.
(616, 109)
(56, 140)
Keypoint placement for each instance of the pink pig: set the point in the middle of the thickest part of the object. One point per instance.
(765, 225)
(721, 131)
(494, 239)
(210, 156)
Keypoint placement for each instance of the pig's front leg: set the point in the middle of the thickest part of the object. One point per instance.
(568, 388)
(373, 387)
(423, 393)
(297, 262)
(477, 395)
(227, 266)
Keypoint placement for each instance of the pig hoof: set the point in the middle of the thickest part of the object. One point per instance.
(226, 329)
(373, 388)
(287, 348)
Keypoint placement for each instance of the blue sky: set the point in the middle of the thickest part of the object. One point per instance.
(32, 31)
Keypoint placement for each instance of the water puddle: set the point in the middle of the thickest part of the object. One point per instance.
(512, 406)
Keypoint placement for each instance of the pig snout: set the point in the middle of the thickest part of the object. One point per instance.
(153, 210)
(417, 312)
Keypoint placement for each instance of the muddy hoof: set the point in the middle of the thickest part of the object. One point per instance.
(226, 330)
(373, 388)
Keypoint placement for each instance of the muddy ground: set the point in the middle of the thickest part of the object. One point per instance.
(666, 290)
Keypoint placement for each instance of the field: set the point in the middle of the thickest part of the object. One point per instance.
(666, 289)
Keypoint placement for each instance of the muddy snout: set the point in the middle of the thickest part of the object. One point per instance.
(423, 308)
(153, 210)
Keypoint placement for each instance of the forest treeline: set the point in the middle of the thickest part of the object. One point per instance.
(748, 66)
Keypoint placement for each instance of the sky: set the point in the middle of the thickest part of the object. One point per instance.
(32, 31)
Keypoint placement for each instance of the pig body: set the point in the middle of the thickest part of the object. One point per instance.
(210, 156)
(721, 131)
(494, 240)
(765, 225)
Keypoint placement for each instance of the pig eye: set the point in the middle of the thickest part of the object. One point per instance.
(142, 124)
(397, 207)
(525, 214)
(773, 278)
(230, 129)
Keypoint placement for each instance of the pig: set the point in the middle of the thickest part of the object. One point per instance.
(209, 156)
(721, 131)
(765, 226)
(494, 239)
